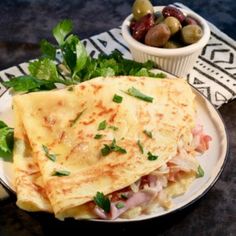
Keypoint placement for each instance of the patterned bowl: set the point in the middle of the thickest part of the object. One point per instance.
(178, 61)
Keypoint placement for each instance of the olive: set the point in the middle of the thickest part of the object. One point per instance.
(191, 33)
(141, 8)
(173, 11)
(140, 28)
(190, 21)
(158, 35)
(158, 17)
(172, 44)
(173, 24)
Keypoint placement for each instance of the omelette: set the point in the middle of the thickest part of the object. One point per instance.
(106, 148)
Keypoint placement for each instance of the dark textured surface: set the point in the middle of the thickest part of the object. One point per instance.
(23, 24)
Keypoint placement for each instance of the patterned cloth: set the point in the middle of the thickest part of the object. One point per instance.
(214, 74)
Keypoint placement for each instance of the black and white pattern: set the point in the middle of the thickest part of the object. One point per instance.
(214, 73)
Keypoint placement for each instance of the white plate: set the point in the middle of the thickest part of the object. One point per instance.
(212, 161)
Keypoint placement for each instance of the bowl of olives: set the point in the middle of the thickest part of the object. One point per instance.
(173, 38)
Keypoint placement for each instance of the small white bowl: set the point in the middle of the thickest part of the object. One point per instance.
(178, 61)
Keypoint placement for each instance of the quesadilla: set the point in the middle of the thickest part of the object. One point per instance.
(107, 147)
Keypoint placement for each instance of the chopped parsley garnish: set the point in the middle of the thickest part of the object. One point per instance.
(200, 172)
(140, 146)
(152, 157)
(102, 125)
(70, 89)
(124, 196)
(49, 155)
(113, 127)
(120, 205)
(117, 98)
(76, 118)
(102, 201)
(107, 149)
(136, 93)
(61, 173)
(148, 133)
(98, 136)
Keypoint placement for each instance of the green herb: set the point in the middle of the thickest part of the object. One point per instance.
(148, 133)
(200, 172)
(72, 122)
(152, 157)
(75, 65)
(6, 141)
(47, 49)
(120, 205)
(107, 149)
(113, 127)
(102, 201)
(61, 30)
(102, 125)
(70, 89)
(136, 93)
(117, 98)
(61, 173)
(124, 196)
(98, 136)
(27, 83)
(140, 146)
(50, 156)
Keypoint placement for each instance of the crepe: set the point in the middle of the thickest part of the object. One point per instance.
(61, 126)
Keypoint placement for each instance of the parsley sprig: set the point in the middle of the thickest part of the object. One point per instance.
(74, 64)
(113, 147)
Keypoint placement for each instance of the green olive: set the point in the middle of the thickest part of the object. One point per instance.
(172, 44)
(191, 33)
(158, 35)
(141, 8)
(158, 17)
(173, 24)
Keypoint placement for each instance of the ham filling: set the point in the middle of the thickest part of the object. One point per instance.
(150, 187)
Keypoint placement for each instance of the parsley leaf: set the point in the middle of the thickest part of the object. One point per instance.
(27, 83)
(6, 141)
(152, 157)
(102, 125)
(44, 69)
(61, 30)
(120, 205)
(148, 133)
(61, 173)
(102, 201)
(107, 149)
(117, 98)
(136, 93)
(200, 172)
(113, 127)
(47, 49)
(50, 156)
(140, 146)
(98, 136)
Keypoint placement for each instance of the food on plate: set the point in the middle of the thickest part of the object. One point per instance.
(106, 148)
(163, 28)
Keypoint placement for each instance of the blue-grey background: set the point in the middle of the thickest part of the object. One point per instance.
(23, 23)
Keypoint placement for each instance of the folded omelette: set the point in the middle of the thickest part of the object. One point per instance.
(106, 148)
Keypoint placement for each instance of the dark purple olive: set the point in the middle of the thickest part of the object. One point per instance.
(173, 11)
(141, 27)
(158, 35)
